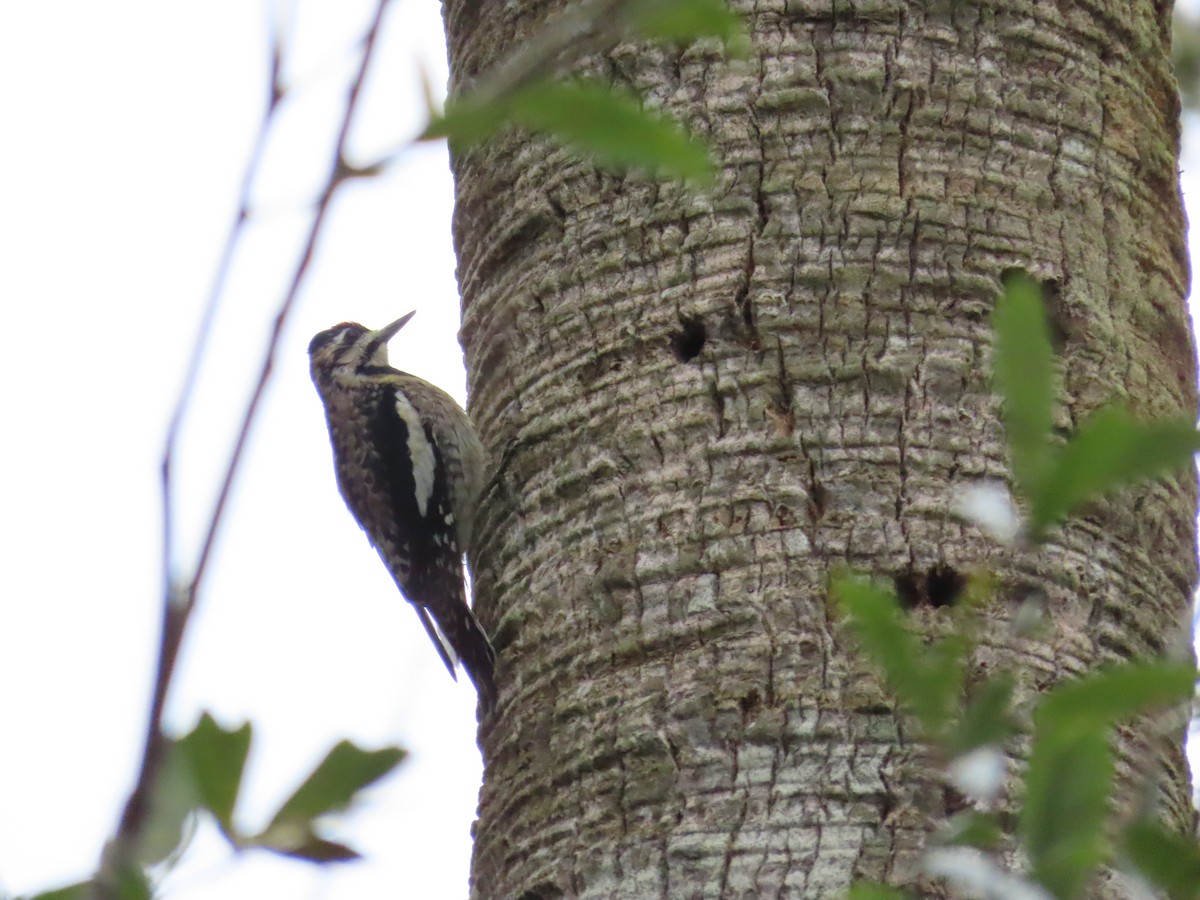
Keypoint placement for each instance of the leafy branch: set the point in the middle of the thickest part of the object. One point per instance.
(1109, 449)
(1064, 823)
(590, 117)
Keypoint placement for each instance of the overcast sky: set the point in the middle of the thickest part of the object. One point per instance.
(127, 127)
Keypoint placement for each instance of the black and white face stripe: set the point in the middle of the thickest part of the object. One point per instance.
(336, 338)
(346, 346)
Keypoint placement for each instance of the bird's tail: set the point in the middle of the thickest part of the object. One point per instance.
(459, 637)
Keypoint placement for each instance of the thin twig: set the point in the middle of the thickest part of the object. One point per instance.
(179, 600)
(204, 331)
(341, 172)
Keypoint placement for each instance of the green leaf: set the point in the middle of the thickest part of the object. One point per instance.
(318, 850)
(467, 122)
(346, 770)
(987, 719)
(1166, 859)
(80, 891)
(926, 678)
(1109, 450)
(870, 891)
(217, 759)
(684, 21)
(971, 828)
(174, 800)
(130, 884)
(1070, 772)
(1067, 786)
(299, 840)
(1100, 700)
(613, 128)
(590, 118)
(936, 696)
(134, 885)
(1024, 371)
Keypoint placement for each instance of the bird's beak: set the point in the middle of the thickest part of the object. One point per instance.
(387, 332)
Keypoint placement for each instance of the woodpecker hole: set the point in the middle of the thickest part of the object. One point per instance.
(750, 703)
(1057, 315)
(886, 806)
(689, 340)
(908, 589)
(940, 586)
(818, 501)
(944, 585)
(544, 891)
(953, 801)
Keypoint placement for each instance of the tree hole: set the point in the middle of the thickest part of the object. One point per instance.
(944, 585)
(689, 340)
(940, 586)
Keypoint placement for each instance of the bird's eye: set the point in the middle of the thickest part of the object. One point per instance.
(322, 339)
(343, 335)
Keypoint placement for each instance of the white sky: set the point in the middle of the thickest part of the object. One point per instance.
(126, 129)
(127, 126)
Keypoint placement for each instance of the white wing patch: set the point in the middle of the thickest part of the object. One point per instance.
(443, 645)
(419, 451)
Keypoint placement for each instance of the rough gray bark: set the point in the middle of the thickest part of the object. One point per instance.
(710, 402)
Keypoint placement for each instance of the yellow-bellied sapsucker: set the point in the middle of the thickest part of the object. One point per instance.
(410, 467)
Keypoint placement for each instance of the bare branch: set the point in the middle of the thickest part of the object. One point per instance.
(276, 93)
(180, 595)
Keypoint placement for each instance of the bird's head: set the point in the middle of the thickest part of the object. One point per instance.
(350, 346)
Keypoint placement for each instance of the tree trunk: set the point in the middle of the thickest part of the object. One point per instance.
(712, 401)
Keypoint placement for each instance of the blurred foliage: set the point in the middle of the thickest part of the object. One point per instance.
(595, 120)
(1065, 816)
(1108, 450)
(1185, 56)
(203, 775)
(1064, 824)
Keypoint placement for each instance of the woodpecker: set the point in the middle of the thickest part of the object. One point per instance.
(410, 467)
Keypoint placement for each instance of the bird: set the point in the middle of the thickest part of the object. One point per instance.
(410, 467)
